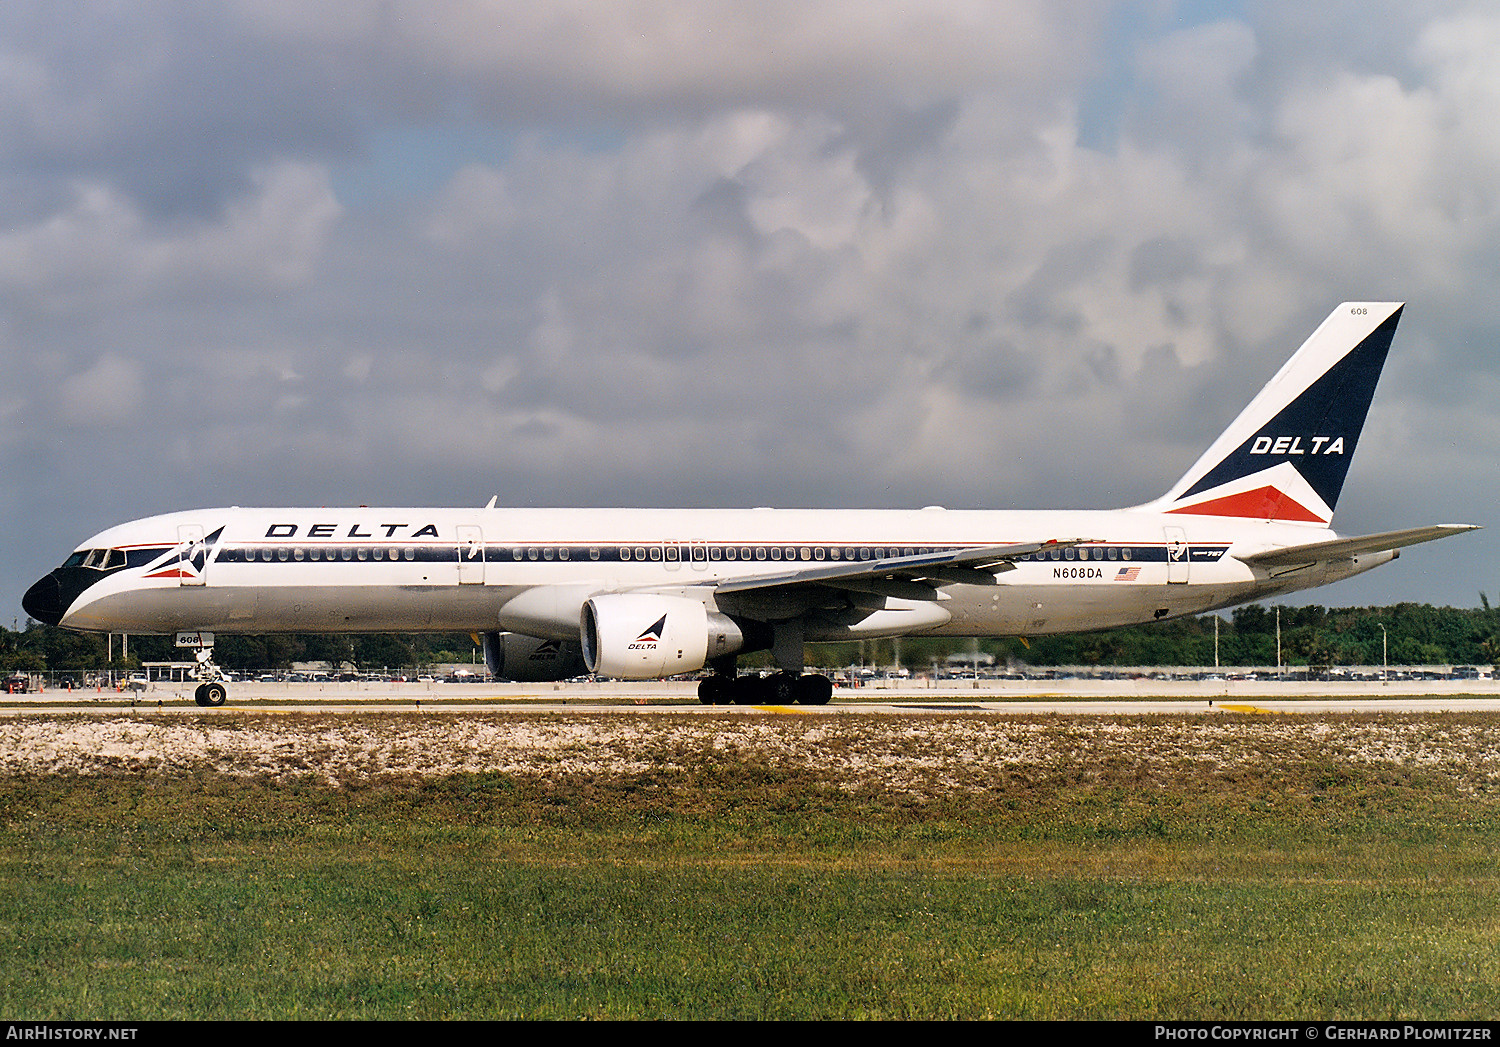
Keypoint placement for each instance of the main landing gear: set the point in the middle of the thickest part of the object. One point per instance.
(789, 685)
(783, 688)
(211, 691)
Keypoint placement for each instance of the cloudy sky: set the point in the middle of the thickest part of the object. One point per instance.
(1012, 254)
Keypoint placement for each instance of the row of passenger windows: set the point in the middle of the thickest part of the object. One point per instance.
(677, 553)
(105, 559)
(791, 552)
(315, 553)
(1113, 552)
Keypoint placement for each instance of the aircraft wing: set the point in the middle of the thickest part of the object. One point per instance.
(1344, 548)
(915, 577)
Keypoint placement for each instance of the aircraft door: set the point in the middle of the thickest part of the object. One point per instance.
(1178, 556)
(194, 555)
(470, 555)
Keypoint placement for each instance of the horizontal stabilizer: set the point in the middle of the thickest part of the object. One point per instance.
(1344, 548)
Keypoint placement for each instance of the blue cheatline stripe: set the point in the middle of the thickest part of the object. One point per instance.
(575, 554)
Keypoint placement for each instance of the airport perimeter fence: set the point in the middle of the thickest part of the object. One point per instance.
(100, 681)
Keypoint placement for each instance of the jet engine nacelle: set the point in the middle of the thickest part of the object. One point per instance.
(642, 636)
(531, 659)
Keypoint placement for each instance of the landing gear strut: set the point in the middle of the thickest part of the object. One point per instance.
(211, 690)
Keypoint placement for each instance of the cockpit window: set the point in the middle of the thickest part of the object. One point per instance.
(98, 559)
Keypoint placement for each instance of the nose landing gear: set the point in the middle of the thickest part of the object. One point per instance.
(210, 691)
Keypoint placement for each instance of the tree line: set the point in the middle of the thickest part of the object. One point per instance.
(1414, 634)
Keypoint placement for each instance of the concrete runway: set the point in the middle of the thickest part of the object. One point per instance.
(1010, 697)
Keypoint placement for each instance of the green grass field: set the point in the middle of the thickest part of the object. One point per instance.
(722, 884)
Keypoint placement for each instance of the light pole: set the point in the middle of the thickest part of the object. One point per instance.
(1278, 641)
(1385, 665)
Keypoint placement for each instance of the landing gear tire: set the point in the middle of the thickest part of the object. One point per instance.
(814, 689)
(715, 690)
(747, 690)
(782, 689)
(210, 694)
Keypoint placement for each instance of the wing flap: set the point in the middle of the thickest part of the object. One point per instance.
(1345, 548)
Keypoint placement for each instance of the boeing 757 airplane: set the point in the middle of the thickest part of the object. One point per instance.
(647, 593)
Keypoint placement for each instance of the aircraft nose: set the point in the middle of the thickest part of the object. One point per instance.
(44, 601)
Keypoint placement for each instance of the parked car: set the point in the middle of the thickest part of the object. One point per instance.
(17, 683)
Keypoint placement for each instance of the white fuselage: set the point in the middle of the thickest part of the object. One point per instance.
(530, 570)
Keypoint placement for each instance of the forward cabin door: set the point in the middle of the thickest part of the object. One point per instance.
(470, 554)
(194, 555)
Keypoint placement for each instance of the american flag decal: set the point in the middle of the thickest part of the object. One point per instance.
(1127, 574)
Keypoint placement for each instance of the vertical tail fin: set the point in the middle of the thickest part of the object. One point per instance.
(1285, 457)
